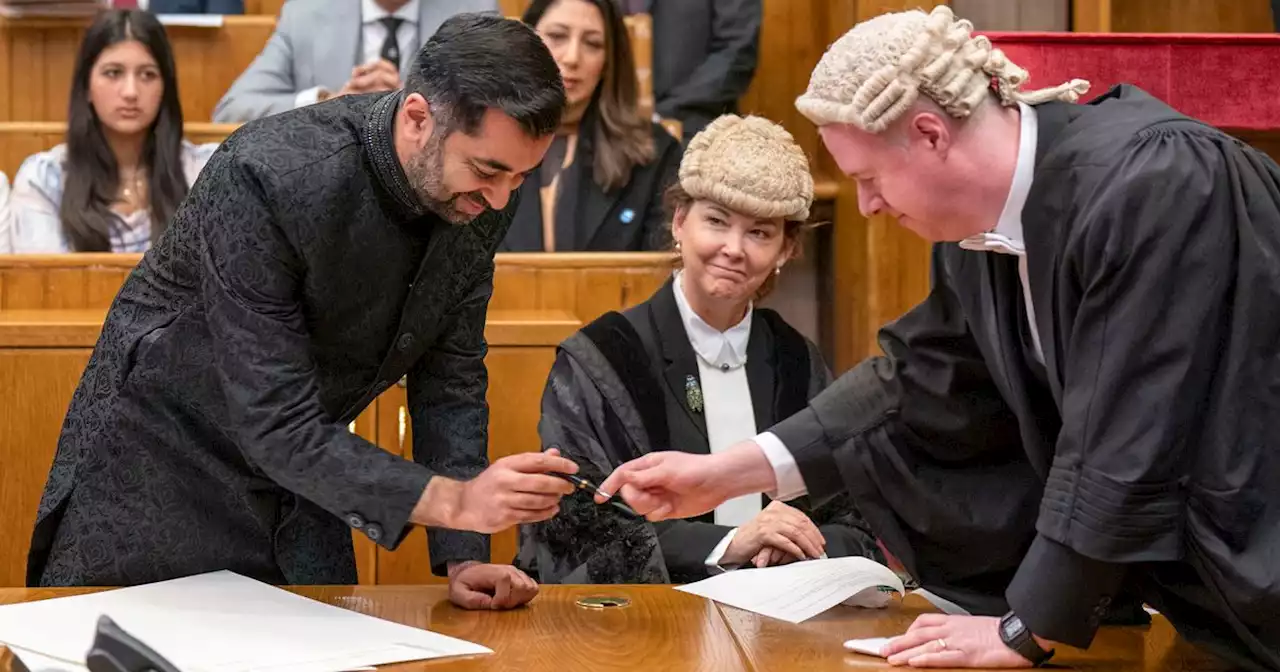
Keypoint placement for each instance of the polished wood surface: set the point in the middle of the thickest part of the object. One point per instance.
(662, 629)
(35, 389)
(816, 644)
(1171, 16)
(37, 59)
(1191, 16)
(665, 629)
(266, 7)
(20, 139)
(79, 327)
(585, 284)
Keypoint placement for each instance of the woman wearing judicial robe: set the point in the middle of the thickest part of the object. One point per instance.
(698, 366)
(600, 186)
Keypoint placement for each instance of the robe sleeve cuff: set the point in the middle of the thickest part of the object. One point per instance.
(1061, 595)
(803, 437)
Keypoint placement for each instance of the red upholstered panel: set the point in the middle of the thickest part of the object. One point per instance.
(1229, 81)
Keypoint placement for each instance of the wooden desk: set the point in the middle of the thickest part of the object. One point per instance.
(815, 645)
(665, 629)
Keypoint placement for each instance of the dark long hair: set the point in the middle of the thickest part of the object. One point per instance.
(91, 177)
(622, 138)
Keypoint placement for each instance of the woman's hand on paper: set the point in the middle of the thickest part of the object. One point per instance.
(778, 527)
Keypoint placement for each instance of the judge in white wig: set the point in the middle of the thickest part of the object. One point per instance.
(1086, 404)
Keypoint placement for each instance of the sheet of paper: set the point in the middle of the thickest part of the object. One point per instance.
(38, 663)
(224, 622)
(191, 20)
(795, 592)
(871, 646)
(943, 604)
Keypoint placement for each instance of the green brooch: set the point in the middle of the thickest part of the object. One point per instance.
(693, 393)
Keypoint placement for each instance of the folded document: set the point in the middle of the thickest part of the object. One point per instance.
(801, 590)
(223, 622)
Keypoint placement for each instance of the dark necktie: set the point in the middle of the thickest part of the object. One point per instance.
(390, 46)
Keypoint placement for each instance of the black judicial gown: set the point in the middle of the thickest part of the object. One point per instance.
(1143, 457)
(618, 390)
(299, 279)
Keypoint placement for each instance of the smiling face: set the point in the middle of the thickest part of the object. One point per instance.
(574, 32)
(726, 255)
(125, 88)
(460, 175)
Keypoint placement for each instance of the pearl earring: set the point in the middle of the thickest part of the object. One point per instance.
(677, 246)
(778, 270)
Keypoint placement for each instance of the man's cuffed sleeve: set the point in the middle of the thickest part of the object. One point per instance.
(1061, 595)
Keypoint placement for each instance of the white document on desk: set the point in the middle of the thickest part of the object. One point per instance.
(224, 622)
(798, 591)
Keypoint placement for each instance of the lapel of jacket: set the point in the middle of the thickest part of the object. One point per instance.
(336, 49)
(436, 288)
(680, 370)
(761, 376)
(525, 234)
(584, 205)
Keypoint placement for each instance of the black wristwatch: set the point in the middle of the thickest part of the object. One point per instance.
(1016, 636)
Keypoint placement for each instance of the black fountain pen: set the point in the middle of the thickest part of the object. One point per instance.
(583, 484)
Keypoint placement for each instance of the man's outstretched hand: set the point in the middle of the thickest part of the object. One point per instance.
(674, 484)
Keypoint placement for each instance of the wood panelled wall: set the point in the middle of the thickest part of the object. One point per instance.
(37, 59)
(1172, 16)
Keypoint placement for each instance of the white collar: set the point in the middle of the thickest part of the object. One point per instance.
(724, 350)
(1007, 238)
(371, 12)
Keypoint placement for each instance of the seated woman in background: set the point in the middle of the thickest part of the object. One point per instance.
(696, 367)
(600, 186)
(125, 166)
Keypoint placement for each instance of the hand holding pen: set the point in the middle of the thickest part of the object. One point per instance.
(583, 484)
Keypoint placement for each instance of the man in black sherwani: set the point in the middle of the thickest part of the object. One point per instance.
(1086, 407)
(322, 255)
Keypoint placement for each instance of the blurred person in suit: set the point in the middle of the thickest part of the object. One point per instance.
(124, 167)
(326, 48)
(194, 6)
(704, 56)
(600, 186)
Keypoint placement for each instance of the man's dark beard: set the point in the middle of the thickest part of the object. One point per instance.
(425, 171)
